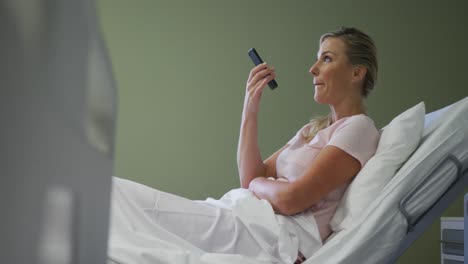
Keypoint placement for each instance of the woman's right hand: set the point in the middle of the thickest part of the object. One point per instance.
(259, 77)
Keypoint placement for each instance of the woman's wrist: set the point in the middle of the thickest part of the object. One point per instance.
(249, 118)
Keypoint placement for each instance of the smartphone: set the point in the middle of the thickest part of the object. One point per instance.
(257, 60)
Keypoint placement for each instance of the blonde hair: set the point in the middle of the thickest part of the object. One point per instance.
(360, 50)
(316, 124)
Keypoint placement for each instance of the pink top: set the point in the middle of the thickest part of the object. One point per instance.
(356, 135)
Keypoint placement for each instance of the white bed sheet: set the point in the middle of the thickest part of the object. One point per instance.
(377, 233)
(149, 226)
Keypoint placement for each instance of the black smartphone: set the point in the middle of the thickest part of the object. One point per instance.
(257, 60)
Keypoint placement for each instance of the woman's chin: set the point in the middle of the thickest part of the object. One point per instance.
(318, 99)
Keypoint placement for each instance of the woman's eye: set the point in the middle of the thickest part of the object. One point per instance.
(326, 59)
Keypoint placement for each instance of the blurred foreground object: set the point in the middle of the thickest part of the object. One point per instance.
(57, 114)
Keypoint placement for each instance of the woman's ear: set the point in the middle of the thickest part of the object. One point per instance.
(359, 73)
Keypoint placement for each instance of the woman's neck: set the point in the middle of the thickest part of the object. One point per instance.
(341, 112)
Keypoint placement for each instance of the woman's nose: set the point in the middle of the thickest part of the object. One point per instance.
(314, 70)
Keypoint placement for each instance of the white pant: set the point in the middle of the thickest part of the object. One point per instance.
(148, 222)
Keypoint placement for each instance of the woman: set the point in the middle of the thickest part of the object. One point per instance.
(315, 167)
(283, 210)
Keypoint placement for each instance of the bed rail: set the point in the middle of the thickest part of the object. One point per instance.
(417, 225)
(413, 220)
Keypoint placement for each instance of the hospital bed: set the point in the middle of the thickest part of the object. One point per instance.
(429, 181)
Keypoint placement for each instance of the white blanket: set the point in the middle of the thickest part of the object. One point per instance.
(150, 226)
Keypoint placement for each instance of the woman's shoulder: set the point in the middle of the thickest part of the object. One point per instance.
(359, 122)
(360, 119)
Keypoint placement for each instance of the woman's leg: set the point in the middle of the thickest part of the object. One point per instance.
(208, 227)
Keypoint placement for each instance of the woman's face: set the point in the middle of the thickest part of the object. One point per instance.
(332, 72)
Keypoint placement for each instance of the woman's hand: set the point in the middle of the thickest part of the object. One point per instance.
(253, 186)
(277, 193)
(259, 77)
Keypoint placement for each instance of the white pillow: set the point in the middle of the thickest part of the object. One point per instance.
(433, 116)
(397, 142)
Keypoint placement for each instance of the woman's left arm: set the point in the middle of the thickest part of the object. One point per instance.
(330, 169)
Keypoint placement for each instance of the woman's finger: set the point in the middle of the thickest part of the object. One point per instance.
(265, 80)
(262, 84)
(255, 81)
(256, 69)
(261, 75)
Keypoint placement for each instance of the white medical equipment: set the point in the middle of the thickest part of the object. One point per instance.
(451, 240)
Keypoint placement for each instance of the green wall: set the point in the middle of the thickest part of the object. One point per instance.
(181, 69)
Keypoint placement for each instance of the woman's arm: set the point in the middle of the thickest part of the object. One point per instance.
(249, 160)
(331, 168)
(269, 164)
